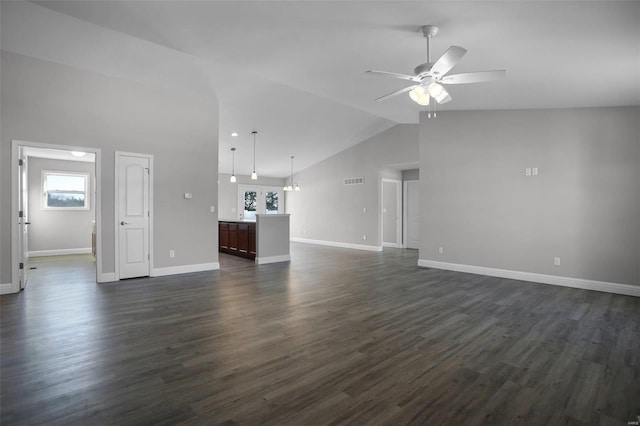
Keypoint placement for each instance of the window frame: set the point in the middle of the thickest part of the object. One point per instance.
(45, 191)
(261, 191)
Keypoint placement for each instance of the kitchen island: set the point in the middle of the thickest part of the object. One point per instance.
(266, 240)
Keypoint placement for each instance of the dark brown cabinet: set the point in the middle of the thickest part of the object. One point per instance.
(237, 238)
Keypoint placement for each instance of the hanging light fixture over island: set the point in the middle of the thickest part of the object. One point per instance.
(254, 175)
(292, 186)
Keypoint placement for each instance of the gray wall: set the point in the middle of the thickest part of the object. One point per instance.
(413, 174)
(57, 229)
(228, 192)
(51, 103)
(326, 209)
(584, 206)
(272, 235)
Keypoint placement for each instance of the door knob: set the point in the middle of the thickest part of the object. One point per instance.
(123, 223)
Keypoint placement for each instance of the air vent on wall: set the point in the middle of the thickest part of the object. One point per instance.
(354, 181)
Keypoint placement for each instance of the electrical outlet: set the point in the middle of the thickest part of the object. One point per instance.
(172, 253)
(364, 236)
(440, 250)
(527, 171)
(364, 210)
(534, 171)
(556, 261)
(213, 209)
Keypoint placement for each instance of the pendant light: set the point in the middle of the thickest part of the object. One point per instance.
(291, 187)
(254, 175)
(233, 166)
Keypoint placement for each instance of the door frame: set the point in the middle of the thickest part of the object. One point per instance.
(16, 146)
(399, 222)
(116, 204)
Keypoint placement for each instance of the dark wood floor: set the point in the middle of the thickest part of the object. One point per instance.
(334, 337)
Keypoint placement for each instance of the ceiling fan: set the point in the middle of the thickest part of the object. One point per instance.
(430, 76)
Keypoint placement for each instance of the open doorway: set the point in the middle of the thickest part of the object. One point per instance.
(56, 199)
(391, 213)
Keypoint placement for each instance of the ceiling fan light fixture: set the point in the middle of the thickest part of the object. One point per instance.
(443, 96)
(419, 96)
(435, 90)
(416, 94)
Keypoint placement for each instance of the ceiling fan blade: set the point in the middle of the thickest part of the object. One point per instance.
(474, 77)
(444, 97)
(397, 92)
(448, 60)
(395, 75)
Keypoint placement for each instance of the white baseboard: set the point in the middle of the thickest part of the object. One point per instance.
(337, 244)
(273, 259)
(184, 269)
(6, 288)
(107, 277)
(393, 245)
(58, 252)
(626, 289)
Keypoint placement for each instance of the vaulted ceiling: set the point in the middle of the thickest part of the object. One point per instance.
(294, 70)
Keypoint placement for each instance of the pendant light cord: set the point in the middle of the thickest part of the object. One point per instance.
(254, 150)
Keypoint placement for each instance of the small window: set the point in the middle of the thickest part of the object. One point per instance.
(272, 202)
(250, 204)
(65, 190)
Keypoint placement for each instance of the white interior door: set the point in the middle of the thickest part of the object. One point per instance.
(412, 213)
(133, 215)
(391, 213)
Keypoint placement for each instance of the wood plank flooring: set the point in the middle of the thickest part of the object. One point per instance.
(333, 337)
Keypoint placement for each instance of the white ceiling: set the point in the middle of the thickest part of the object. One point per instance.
(294, 70)
(57, 154)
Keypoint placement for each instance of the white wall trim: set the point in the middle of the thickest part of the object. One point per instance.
(273, 259)
(608, 287)
(58, 252)
(6, 288)
(394, 245)
(337, 244)
(184, 269)
(107, 277)
(15, 151)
